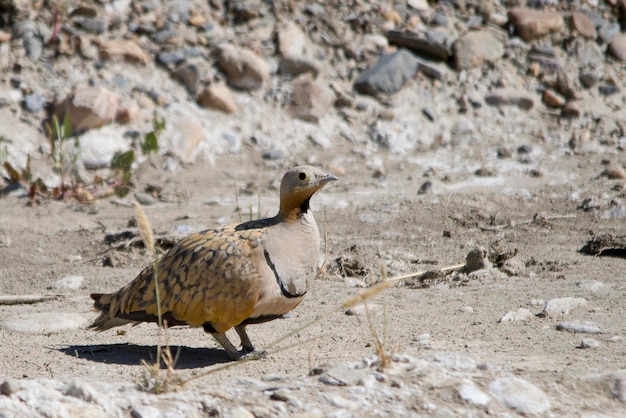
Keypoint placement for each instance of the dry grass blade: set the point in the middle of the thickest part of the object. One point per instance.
(145, 228)
(152, 380)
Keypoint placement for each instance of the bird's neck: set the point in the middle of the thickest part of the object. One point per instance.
(290, 213)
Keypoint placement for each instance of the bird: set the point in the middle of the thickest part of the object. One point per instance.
(229, 276)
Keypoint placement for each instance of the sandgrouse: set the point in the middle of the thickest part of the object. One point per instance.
(231, 276)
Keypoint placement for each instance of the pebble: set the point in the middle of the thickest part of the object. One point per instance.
(69, 283)
(388, 75)
(476, 48)
(43, 323)
(521, 314)
(583, 327)
(533, 24)
(562, 306)
(34, 102)
(217, 97)
(123, 51)
(146, 199)
(430, 46)
(583, 25)
(553, 99)
(503, 97)
(520, 395)
(617, 47)
(242, 67)
(591, 285)
(189, 76)
(295, 66)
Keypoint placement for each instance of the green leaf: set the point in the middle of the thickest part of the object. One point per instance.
(67, 127)
(150, 143)
(121, 191)
(123, 161)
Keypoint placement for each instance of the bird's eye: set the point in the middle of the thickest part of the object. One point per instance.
(302, 176)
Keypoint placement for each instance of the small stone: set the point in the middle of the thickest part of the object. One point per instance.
(145, 411)
(533, 24)
(34, 102)
(426, 187)
(342, 375)
(294, 66)
(571, 110)
(388, 75)
(123, 50)
(451, 361)
(477, 48)
(477, 260)
(363, 309)
(589, 78)
(9, 387)
(583, 327)
(583, 25)
(617, 47)
(553, 99)
(291, 40)
(510, 97)
(189, 76)
(615, 171)
(589, 343)
(218, 97)
(93, 25)
(69, 283)
(591, 285)
(521, 314)
(520, 395)
(88, 108)
(145, 199)
(420, 5)
(80, 390)
(310, 100)
(242, 67)
(238, 412)
(4, 36)
(562, 306)
(432, 46)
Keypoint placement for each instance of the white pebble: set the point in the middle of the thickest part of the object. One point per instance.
(562, 306)
(521, 314)
(43, 323)
(69, 283)
(584, 327)
(589, 343)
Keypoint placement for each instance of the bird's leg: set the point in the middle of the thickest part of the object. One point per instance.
(246, 344)
(232, 352)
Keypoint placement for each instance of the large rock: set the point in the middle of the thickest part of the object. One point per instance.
(242, 67)
(88, 108)
(533, 24)
(476, 48)
(388, 75)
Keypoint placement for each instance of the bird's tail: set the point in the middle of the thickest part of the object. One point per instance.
(104, 321)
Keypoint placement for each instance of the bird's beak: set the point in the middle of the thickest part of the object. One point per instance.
(327, 179)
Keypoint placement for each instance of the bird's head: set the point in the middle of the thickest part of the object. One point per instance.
(297, 187)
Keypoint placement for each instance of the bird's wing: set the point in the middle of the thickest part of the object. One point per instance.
(209, 277)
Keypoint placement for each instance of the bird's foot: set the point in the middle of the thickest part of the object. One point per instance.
(253, 354)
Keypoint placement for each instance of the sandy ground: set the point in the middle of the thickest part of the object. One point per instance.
(370, 221)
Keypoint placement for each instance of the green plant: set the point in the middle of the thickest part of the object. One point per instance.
(63, 159)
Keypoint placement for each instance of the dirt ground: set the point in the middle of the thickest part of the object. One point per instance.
(370, 221)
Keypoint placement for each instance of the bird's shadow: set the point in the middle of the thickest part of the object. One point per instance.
(133, 354)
